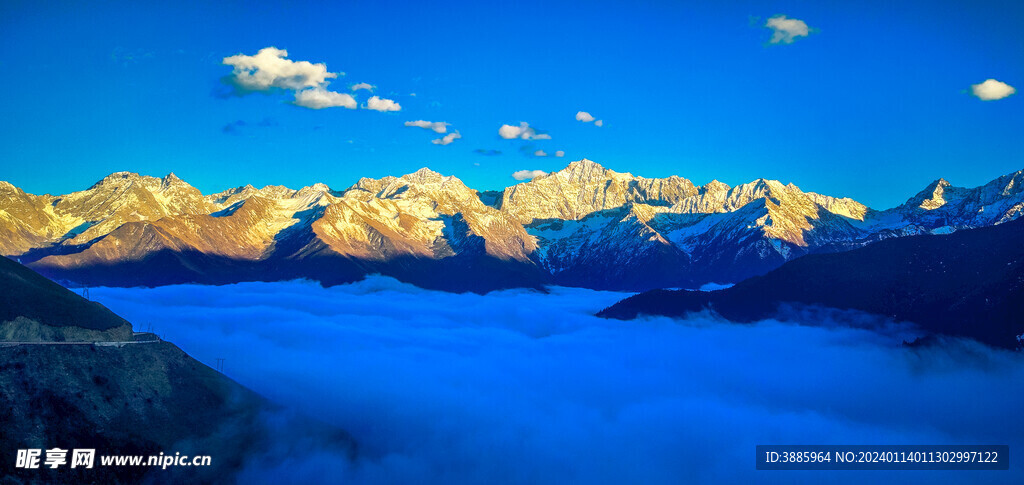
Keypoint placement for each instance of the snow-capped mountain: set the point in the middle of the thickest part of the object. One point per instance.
(584, 225)
(590, 219)
(941, 207)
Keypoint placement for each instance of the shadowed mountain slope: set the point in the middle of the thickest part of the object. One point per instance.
(969, 283)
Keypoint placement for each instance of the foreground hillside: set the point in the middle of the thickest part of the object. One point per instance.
(969, 283)
(35, 308)
(127, 395)
(584, 225)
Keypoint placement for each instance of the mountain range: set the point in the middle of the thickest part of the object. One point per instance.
(584, 225)
(966, 284)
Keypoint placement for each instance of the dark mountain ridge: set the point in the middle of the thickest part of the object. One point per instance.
(969, 284)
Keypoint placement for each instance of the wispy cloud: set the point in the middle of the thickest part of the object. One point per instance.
(446, 139)
(991, 90)
(523, 131)
(366, 86)
(540, 153)
(437, 126)
(377, 103)
(236, 127)
(487, 153)
(233, 127)
(786, 30)
(559, 154)
(127, 57)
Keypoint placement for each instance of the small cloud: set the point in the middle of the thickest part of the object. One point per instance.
(540, 153)
(437, 126)
(528, 174)
(366, 86)
(786, 30)
(126, 57)
(523, 131)
(446, 139)
(559, 154)
(377, 103)
(233, 127)
(319, 98)
(587, 118)
(236, 127)
(584, 117)
(487, 153)
(991, 90)
(269, 69)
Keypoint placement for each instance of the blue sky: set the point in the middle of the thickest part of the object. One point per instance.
(873, 104)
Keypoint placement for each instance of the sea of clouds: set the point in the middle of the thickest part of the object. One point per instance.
(520, 386)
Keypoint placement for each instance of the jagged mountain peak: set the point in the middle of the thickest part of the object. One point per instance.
(6, 186)
(932, 197)
(125, 180)
(585, 170)
(117, 179)
(761, 188)
(170, 177)
(171, 181)
(277, 191)
(715, 186)
(318, 187)
(936, 185)
(584, 162)
(423, 183)
(426, 176)
(1009, 184)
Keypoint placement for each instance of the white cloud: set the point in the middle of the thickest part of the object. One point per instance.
(377, 103)
(540, 153)
(522, 131)
(786, 30)
(437, 126)
(584, 117)
(366, 86)
(587, 118)
(559, 153)
(318, 98)
(991, 90)
(446, 139)
(270, 69)
(528, 174)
